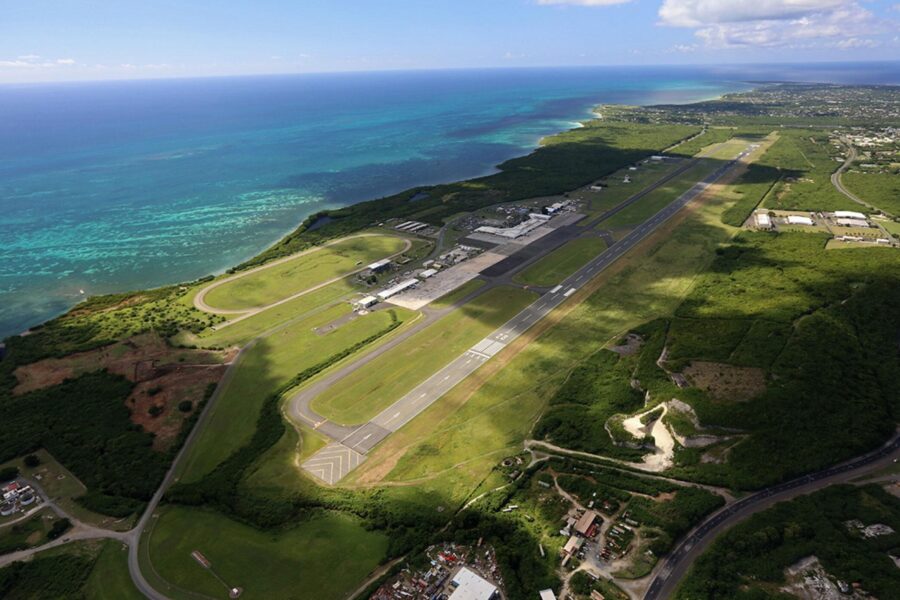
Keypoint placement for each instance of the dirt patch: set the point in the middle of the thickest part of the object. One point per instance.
(137, 359)
(628, 346)
(807, 579)
(165, 377)
(726, 382)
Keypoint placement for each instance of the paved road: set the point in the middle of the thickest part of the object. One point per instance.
(336, 460)
(671, 570)
(839, 185)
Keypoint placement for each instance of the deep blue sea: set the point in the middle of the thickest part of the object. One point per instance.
(117, 186)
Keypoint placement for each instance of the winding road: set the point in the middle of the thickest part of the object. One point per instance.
(672, 569)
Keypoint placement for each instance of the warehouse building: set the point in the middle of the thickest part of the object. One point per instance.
(798, 220)
(380, 266)
(584, 524)
(763, 221)
(849, 214)
(470, 586)
(847, 222)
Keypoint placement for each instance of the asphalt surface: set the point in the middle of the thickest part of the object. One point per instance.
(337, 462)
(675, 566)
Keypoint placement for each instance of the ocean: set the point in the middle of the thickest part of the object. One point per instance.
(113, 186)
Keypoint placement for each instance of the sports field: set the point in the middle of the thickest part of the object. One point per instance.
(324, 557)
(268, 365)
(267, 285)
(562, 262)
(372, 388)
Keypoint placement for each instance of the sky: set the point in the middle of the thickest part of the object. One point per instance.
(66, 40)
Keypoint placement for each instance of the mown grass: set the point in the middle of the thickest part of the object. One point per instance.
(369, 390)
(616, 191)
(243, 331)
(293, 276)
(269, 364)
(323, 557)
(562, 262)
(110, 579)
(659, 198)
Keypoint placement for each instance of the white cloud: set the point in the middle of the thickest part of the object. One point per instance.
(583, 2)
(34, 61)
(698, 13)
(772, 23)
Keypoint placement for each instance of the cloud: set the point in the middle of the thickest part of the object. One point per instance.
(582, 2)
(772, 23)
(34, 61)
(697, 13)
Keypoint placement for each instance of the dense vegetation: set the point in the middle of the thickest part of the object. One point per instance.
(595, 391)
(86, 423)
(60, 576)
(822, 325)
(746, 560)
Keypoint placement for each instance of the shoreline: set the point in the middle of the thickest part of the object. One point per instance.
(590, 112)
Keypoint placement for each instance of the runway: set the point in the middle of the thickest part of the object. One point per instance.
(365, 437)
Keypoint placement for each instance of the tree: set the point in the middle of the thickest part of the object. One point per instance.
(8, 474)
(32, 460)
(185, 406)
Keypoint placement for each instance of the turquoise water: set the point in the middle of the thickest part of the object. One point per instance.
(116, 186)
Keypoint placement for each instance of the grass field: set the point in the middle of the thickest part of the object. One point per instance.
(562, 262)
(615, 191)
(878, 189)
(656, 200)
(323, 558)
(293, 276)
(372, 388)
(268, 365)
(245, 330)
(109, 579)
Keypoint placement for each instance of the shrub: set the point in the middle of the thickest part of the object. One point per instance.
(185, 406)
(8, 473)
(31, 461)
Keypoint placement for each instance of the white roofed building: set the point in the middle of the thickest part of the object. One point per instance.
(471, 586)
(849, 214)
(846, 222)
(798, 220)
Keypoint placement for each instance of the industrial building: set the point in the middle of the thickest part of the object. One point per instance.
(367, 302)
(849, 214)
(411, 226)
(798, 220)
(470, 586)
(380, 266)
(547, 595)
(763, 221)
(584, 524)
(573, 545)
(400, 287)
(427, 273)
(848, 222)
